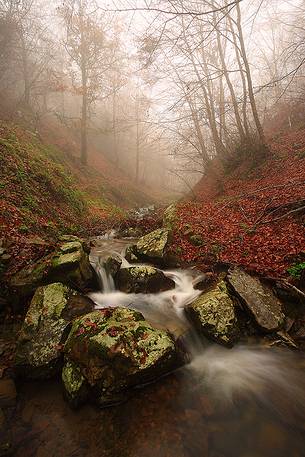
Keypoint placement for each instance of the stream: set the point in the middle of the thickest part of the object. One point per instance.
(248, 401)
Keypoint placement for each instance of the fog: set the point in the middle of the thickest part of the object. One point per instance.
(158, 88)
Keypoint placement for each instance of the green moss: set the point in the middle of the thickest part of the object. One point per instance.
(214, 314)
(296, 270)
(153, 244)
(73, 379)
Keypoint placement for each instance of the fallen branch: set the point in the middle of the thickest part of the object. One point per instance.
(297, 210)
(286, 285)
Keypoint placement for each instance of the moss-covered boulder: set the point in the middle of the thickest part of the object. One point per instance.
(152, 247)
(143, 279)
(258, 299)
(214, 316)
(45, 328)
(69, 264)
(115, 349)
(170, 217)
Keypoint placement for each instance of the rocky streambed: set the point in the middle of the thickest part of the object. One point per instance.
(105, 330)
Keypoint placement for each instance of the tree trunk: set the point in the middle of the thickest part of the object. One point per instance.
(137, 140)
(83, 155)
(242, 76)
(114, 128)
(26, 74)
(228, 81)
(249, 79)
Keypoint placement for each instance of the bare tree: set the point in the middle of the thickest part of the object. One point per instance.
(91, 52)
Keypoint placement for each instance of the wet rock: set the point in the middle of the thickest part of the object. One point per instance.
(70, 238)
(130, 254)
(76, 306)
(131, 232)
(143, 279)
(69, 264)
(213, 314)
(75, 385)
(115, 349)
(112, 265)
(38, 352)
(8, 393)
(205, 282)
(152, 247)
(258, 299)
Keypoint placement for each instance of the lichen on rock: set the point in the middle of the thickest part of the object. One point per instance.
(258, 299)
(152, 247)
(47, 321)
(170, 217)
(75, 385)
(214, 315)
(115, 348)
(143, 279)
(69, 264)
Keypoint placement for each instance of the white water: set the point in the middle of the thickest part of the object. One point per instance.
(246, 371)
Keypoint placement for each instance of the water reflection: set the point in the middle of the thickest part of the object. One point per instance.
(175, 417)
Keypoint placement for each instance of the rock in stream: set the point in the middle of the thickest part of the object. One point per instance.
(111, 350)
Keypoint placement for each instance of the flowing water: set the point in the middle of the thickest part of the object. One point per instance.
(247, 401)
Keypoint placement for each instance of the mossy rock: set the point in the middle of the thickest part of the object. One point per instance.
(258, 300)
(170, 217)
(152, 247)
(76, 388)
(196, 240)
(130, 254)
(69, 264)
(214, 316)
(112, 265)
(38, 353)
(143, 279)
(116, 349)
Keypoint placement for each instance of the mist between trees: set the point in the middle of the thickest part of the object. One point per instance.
(160, 88)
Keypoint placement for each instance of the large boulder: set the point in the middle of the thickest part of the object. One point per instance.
(143, 279)
(69, 264)
(214, 316)
(113, 349)
(258, 299)
(152, 247)
(45, 327)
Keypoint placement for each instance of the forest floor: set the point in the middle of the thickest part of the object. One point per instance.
(256, 220)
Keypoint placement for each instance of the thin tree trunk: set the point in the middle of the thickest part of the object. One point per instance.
(84, 155)
(243, 79)
(249, 78)
(26, 74)
(114, 127)
(222, 110)
(137, 140)
(228, 81)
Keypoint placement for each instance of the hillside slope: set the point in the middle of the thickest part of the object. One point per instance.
(255, 219)
(46, 192)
